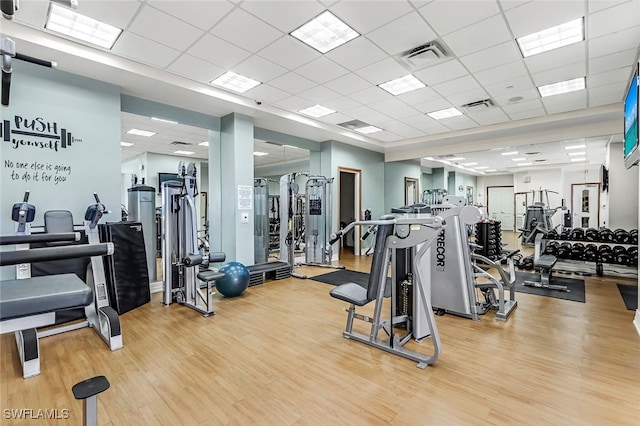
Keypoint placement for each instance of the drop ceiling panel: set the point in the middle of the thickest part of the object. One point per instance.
(614, 19)
(356, 53)
(119, 16)
(217, 51)
(289, 52)
(153, 24)
(382, 71)
(348, 83)
(319, 94)
(370, 95)
(597, 5)
(488, 117)
(510, 87)
(609, 94)
(294, 103)
(418, 96)
(375, 14)
(402, 129)
(321, 70)
(479, 36)
(341, 104)
(565, 102)
(510, 4)
(385, 136)
(292, 83)
(530, 113)
(434, 105)
(556, 58)
(616, 42)
(195, 68)
(539, 15)
(259, 69)
(143, 50)
(534, 104)
(202, 14)
(442, 72)
(610, 62)
(394, 108)
(460, 122)
(501, 73)
(492, 57)
(458, 85)
(246, 31)
(335, 118)
(267, 94)
(468, 96)
(403, 34)
(555, 75)
(34, 13)
(609, 77)
(284, 15)
(367, 115)
(447, 16)
(511, 97)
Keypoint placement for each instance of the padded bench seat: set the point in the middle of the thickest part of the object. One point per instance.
(351, 293)
(546, 261)
(37, 295)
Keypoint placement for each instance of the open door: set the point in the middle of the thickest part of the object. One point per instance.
(585, 205)
(349, 207)
(521, 201)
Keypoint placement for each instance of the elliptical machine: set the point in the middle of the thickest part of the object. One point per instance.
(183, 265)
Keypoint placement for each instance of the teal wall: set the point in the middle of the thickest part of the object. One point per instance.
(439, 179)
(394, 174)
(60, 178)
(426, 181)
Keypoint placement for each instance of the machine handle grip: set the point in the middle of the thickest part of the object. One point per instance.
(192, 260)
(217, 257)
(26, 197)
(95, 195)
(6, 87)
(512, 253)
(39, 238)
(366, 234)
(335, 237)
(55, 253)
(42, 62)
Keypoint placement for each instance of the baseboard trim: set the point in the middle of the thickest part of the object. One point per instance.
(155, 287)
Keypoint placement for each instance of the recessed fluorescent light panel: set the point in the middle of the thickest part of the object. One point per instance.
(260, 154)
(455, 158)
(481, 167)
(71, 23)
(573, 160)
(524, 164)
(236, 82)
(552, 38)
(126, 144)
(510, 153)
(581, 153)
(562, 87)
(325, 32)
(163, 120)
(183, 152)
(569, 147)
(491, 170)
(402, 85)
(316, 111)
(518, 159)
(444, 113)
(368, 129)
(470, 164)
(205, 143)
(145, 133)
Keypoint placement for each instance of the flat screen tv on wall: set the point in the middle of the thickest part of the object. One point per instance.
(631, 150)
(163, 177)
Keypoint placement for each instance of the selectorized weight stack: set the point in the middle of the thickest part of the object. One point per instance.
(261, 220)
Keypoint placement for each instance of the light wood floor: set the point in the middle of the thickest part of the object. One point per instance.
(276, 356)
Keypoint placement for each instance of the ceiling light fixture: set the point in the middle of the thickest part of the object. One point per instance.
(491, 170)
(144, 133)
(325, 32)
(574, 160)
(519, 159)
(205, 143)
(524, 164)
(73, 24)
(470, 164)
(126, 144)
(316, 111)
(260, 154)
(510, 153)
(164, 121)
(481, 167)
(569, 147)
(572, 154)
(368, 129)
(402, 85)
(455, 158)
(444, 113)
(183, 152)
(552, 38)
(236, 82)
(562, 87)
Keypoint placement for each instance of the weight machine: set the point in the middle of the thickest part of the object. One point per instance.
(261, 220)
(183, 266)
(538, 217)
(290, 216)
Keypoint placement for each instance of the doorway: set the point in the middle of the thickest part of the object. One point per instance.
(521, 201)
(585, 205)
(349, 189)
(411, 191)
(500, 205)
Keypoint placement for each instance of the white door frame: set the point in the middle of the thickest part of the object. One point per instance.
(357, 203)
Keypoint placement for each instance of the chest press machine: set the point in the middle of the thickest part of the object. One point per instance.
(404, 242)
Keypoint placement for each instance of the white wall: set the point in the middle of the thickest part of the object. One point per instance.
(482, 182)
(623, 191)
(589, 173)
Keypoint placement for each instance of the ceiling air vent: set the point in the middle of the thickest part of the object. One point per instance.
(180, 143)
(478, 106)
(423, 56)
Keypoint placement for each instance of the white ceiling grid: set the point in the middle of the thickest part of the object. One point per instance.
(201, 40)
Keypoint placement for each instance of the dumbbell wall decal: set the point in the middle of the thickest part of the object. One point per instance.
(50, 130)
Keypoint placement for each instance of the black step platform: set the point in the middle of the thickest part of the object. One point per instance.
(270, 270)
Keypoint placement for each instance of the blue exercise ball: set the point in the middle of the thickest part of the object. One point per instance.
(235, 281)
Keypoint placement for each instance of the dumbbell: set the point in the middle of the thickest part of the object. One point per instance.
(621, 236)
(634, 236)
(527, 263)
(564, 235)
(606, 236)
(591, 234)
(605, 254)
(576, 234)
(577, 251)
(633, 256)
(552, 235)
(564, 250)
(551, 248)
(620, 255)
(590, 252)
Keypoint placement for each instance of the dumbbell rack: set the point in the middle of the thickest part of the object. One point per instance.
(488, 235)
(602, 264)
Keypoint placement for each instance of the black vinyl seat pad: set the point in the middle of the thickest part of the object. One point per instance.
(39, 295)
(352, 293)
